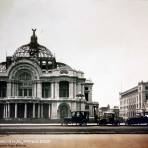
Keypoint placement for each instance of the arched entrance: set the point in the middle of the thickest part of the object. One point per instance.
(64, 110)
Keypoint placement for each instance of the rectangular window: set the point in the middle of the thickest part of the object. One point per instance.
(46, 89)
(86, 96)
(86, 88)
(3, 87)
(25, 92)
(30, 92)
(20, 92)
(64, 89)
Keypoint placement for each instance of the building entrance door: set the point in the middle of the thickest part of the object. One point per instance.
(64, 110)
(20, 110)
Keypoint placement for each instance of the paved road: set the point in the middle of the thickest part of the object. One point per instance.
(70, 129)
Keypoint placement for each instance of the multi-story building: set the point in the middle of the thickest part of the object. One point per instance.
(33, 85)
(133, 102)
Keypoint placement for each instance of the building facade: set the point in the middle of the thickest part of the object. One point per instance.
(33, 85)
(134, 102)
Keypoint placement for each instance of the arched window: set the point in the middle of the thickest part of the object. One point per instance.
(64, 89)
(25, 84)
(24, 76)
(64, 110)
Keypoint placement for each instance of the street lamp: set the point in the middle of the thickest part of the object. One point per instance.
(80, 97)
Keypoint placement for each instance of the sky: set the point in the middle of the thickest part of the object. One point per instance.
(106, 39)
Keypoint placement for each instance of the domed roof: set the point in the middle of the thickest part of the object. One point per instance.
(33, 49)
(61, 65)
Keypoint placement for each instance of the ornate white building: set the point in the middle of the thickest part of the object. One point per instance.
(33, 85)
(134, 102)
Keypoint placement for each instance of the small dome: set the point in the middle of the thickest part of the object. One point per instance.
(63, 66)
(33, 49)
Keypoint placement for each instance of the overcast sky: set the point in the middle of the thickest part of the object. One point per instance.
(106, 39)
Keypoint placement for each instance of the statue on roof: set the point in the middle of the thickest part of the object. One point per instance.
(34, 37)
(34, 30)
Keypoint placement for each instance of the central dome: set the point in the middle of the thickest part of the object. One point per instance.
(33, 49)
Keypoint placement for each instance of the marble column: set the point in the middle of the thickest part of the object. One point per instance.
(4, 112)
(8, 110)
(54, 111)
(33, 110)
(13, 89)
(56, 90)
(25, 111)
(82, 89)
(39, 111)
(74, 90)
(17, 89)
(15, 110)
(52, 90)
(79, 89)
(49, 111)
(39, 89)
(8, 89)
(35, 90)
(71, 90)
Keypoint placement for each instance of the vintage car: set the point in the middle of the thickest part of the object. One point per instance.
(77, 117)
(109, 118)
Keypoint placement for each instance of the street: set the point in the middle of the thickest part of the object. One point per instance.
(70, 129)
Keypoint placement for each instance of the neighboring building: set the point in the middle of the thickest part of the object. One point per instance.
(104, 109)
(107, 109)
(116, 110)
(134, 102)
(33, 85)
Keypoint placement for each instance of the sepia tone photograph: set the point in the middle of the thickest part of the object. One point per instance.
(73, 73)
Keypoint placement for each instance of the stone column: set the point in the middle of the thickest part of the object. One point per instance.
(25, 111)
(8, 89)
(13, 89)
(17, 89)
(52, 90)
(54, 111)
(90, 97)
(39, 90)
(74, 90)
(8, 110)
(4, 112)
(35, 90)
(78, 89)
(56, 90)
(49, 113)
(71, 90)
(33, 110)
(15, 110)
(82, 89)
(39, 111)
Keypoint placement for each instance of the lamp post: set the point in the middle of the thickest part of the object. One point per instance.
(80, 97)
(144, 108)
